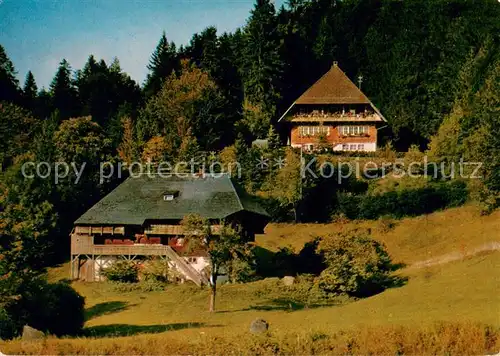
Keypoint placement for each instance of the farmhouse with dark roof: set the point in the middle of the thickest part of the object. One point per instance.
(141, 217)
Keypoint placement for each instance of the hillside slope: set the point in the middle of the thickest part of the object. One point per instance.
(463, 294)
(410, 240)
(177, 320)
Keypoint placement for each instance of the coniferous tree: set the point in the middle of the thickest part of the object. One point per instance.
(262, 64)
(103, 90)
(9, 85)
(203, 51)
(30, 92)
(43, 108)
(273, 139)
(163, 61)
(63, 92)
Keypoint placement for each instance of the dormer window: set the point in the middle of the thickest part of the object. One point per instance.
(170, 195)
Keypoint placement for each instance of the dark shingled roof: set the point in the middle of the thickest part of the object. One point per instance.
(334, 87)
(139, 199)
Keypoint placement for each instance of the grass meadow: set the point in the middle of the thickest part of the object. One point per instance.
(448, 308)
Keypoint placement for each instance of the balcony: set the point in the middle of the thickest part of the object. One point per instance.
(317, 116)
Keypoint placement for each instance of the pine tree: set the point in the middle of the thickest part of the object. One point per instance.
(273, 139)
(63, 92)
(262, 65)
(203, 51)
(43, 108)
(30, 92)
(9, 85)
(103, 90)
(163, 61)
(325, 46)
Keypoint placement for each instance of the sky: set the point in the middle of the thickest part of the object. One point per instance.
(38, 34)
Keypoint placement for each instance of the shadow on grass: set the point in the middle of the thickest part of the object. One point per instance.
(117, 330)
(283, 304)
(105, 308)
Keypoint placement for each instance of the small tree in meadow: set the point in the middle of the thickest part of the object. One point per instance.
(222, 246)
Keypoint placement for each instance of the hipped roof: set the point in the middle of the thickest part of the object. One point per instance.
(334, 87)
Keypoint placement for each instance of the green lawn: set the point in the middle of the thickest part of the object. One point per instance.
(177, 321)
(465, 290)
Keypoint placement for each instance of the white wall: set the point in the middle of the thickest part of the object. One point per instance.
(368, 147)
(199, 264)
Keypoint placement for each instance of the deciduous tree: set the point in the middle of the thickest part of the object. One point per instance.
(222, 246)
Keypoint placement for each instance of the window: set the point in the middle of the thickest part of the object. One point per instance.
(191, 259)
(305, 131)
(345, 147)
(353, 130)
(352, 147)
(361, 147)
(170, 195)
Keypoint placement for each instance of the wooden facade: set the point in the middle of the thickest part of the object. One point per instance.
(331, 134)
(333, 113)
(142, 217)
(87, 257)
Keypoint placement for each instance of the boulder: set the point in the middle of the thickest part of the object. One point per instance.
(288, 280)
(259, 326)
(30, 333)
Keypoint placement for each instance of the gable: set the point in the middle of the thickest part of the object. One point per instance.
(334, 87)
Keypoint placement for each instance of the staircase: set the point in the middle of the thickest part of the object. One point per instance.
(185, 268)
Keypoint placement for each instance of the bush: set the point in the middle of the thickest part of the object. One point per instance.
(146, 285)
(54, 308)
(309, 260)
(241, 270)
(8, 326)
(406, 202)
(356, 266)
(156, 270)
(121, 271)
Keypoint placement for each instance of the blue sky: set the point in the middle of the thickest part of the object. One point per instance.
(38, 34)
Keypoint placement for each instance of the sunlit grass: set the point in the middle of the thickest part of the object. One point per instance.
(460, 296)
(410, 240)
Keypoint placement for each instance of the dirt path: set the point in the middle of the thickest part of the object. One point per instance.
(455, 256)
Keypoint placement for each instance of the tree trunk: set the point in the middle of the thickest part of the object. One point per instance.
(213, 290)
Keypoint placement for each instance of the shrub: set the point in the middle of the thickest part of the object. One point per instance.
(121, 271)
(8, 326)
(242, 270)
(356, 266)
(156, 270)
(310, 261)
(54, 308)
(146, 285)
(405, 202)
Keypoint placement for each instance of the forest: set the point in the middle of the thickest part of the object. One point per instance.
(431, 67)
